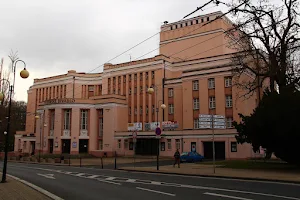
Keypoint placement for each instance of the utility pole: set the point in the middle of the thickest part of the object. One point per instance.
(213, 142)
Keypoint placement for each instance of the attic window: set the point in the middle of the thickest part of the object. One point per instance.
(186, 24)
(202, 20)
(207, 18)
(197, 21)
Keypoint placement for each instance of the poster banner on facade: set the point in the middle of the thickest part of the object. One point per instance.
(151, 126)
(135, 126)
(170, 125)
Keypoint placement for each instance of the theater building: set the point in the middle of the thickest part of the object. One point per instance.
(100, 113)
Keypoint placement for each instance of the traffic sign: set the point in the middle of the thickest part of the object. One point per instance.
(157, 131)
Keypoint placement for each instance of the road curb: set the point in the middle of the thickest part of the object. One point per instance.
(51, 164)
(216, 176)
(45, 192)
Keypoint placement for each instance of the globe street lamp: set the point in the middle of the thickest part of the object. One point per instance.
(151, 90)
(24, 74)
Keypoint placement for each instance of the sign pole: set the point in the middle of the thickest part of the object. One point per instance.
(213, 145)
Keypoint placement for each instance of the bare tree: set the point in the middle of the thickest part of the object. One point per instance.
(267, 39)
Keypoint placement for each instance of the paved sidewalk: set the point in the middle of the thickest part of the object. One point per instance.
(15, 190)
(207, 170)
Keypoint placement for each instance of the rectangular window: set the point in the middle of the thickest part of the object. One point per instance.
(129, 91)
(169, 144)
(229, 121)
(196, 104)
(119, 144)
(146, 75)
(171, 92)
(135, 111)
(195, 85)
(130, 145)
(135, 90)
(114, 91)
(100, 127)
(171, 108)
(124, 79)
(152, 74)
(141, 76)
(153, 109)
(119, 79)
(100, 145)
(114, 80)
(129, 110)
(233, 146)
(228, 101)
(212, 102)
(228, 81)
(83, 119)
(211, 83)
(141, 89)
(126, 144)
(91, 88)
(162, 146)
(141, 110)
(52, 119)
(196, 123)
(135, 77)
(67, 119)
(129, 77)
(147, 110)
(177, 142)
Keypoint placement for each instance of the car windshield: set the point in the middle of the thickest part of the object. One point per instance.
(184, 153)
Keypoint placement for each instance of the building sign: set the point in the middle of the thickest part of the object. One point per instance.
(206, 121)
(151, 126)
(59, 101)
(74, 144)
(170, 125)
(135, 126)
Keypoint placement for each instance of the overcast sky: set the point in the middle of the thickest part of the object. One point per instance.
(55, 36)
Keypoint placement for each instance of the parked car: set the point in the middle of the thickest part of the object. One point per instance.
(191, 157)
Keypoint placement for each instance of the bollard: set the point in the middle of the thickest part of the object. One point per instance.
(69, 160)
(80, 160)
(102, 162)
(115, 160)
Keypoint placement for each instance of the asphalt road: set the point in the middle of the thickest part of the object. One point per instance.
(91, 183)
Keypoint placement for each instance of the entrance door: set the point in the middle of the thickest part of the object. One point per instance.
(51, 146)
(193, 147)
(147, 146)
(219, 150)
(66, 146)
(83, 146)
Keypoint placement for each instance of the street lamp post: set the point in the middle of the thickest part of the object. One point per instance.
(41, 133)
(151, 90)
(24, 74)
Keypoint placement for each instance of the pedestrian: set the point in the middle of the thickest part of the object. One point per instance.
(177, 158)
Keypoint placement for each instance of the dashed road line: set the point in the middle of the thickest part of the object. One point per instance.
(155, 191)
(225, 196)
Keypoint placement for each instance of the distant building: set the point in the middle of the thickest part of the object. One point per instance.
(98, 113)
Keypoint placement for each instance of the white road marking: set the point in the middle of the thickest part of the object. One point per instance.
(225, 196)
(110, 178)
(101, 180)
(50, 176)
(130, 180)
(155, 183)
(181, 185)
(93, 176)
(68, 173)
(80, 174)
(41, 190)
(155, 191)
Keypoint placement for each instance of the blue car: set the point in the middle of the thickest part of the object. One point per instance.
(191, 157)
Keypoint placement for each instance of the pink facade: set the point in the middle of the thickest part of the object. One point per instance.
(98, 113)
